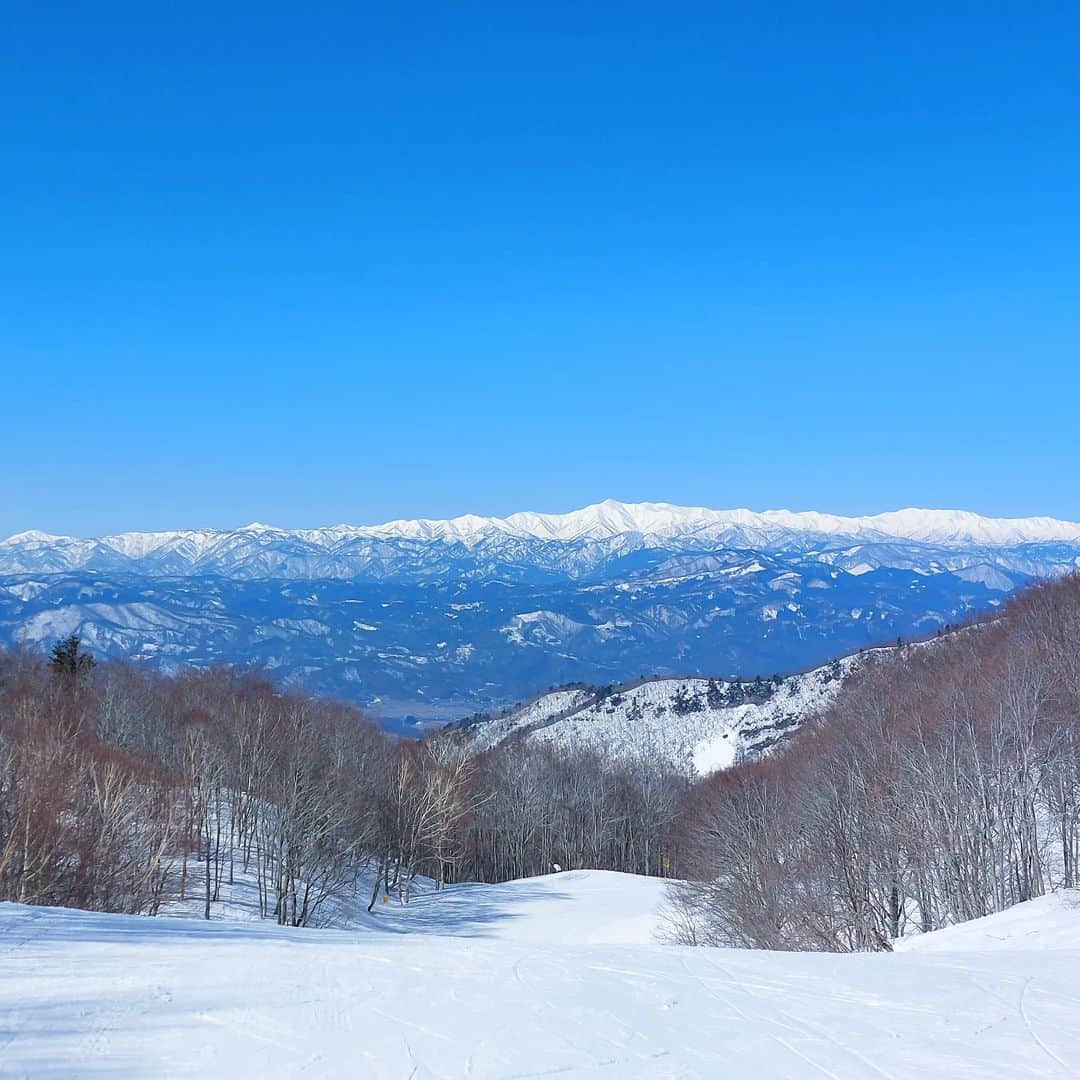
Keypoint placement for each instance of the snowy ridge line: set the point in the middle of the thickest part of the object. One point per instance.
(602, 520)
(592, 699)
(695, 724)
(598, 693)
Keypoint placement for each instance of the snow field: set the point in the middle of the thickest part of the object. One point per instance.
(554, 976)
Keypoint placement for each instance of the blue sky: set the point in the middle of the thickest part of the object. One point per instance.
(355, 264)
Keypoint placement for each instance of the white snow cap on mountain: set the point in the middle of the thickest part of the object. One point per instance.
(31, 536)
(612, 518)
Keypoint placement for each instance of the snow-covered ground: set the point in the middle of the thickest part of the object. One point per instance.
(1047, 923)
(555, 976)
(645, 718)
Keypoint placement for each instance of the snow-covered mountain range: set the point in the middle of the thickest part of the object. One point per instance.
(443, 618)
(344, 550)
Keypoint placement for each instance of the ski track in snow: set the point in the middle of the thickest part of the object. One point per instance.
(553, 977)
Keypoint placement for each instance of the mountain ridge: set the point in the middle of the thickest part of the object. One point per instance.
(694, 724)
(611, 518)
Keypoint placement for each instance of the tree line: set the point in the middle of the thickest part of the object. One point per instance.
(941, 785)
(122, 789)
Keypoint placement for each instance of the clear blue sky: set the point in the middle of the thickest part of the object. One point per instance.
(415, 260)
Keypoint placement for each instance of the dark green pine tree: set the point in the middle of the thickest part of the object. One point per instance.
(69, 660)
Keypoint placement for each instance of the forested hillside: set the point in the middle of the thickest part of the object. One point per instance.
(694, 725)
(941, 784)
(121, 789)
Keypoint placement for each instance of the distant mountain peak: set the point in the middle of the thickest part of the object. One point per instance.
(610, 518)
(31, 536)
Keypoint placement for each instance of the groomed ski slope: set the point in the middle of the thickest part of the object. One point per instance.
(554, 976)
